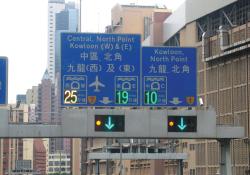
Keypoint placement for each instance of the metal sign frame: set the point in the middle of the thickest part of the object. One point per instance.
(78, 123)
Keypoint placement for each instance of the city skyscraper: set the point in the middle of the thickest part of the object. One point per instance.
(54, 6)
(47, 111)
(66, 21)
(62, 17)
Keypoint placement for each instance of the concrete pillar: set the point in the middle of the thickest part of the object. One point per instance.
(225, 162)
(83, 156)
(180, 167)
(109, 162)
(97, 167)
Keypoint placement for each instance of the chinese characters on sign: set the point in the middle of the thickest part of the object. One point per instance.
(100, 69)
(169, 76)
(109, 70)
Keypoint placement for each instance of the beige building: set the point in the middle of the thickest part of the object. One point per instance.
(76, 157)
(32, 95)
(220, 30)
(28, 149)
(135, 19)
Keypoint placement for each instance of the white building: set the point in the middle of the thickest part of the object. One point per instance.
(61, 17)
(59, 163)
(55, 6)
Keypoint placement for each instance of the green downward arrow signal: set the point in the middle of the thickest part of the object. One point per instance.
(110, 125)
(182, 126)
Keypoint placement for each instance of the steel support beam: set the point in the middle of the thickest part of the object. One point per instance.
(228, 19)
(137, 156)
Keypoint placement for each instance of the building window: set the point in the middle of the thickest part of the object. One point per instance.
(192, 172)
(235, 14)
(147, 22)
(50, 169)
(56, 169)
(185, 165)
(192, 147)
(121, 20)
(57, 163)
(184, 144)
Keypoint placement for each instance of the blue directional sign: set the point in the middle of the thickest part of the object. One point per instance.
(100, 69)
(3, 81)
(169, 76)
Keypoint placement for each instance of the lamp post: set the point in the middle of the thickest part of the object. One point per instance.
(10, 158)
(121, 172)
(121, 166)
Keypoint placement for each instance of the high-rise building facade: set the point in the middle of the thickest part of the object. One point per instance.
(32, 95)
(47, 113)
(66, 21)
(134, 19)
(39, 152)
(59, 163)
(54, 7)
(61, 17)
(21, 98)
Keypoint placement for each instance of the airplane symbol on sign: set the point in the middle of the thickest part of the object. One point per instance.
(96, 84)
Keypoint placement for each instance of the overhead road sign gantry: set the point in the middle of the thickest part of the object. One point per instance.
(169, 76)
(100, 69)
(3, 80)
(139, 123)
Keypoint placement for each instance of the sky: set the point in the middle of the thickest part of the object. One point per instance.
(23, 35)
